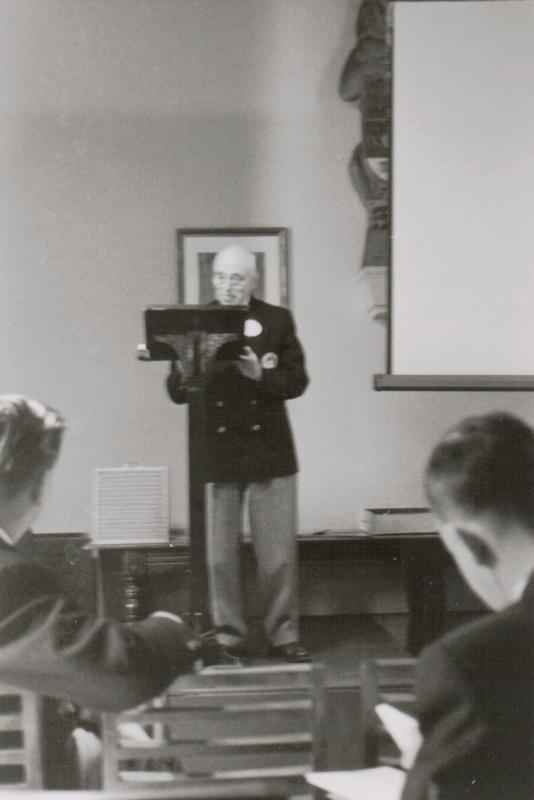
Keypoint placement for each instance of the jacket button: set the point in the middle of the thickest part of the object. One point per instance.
(219, 403)
(256, 428)
(221, 429)
(254, 402)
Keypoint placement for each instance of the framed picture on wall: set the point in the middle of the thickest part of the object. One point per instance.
(197, 248)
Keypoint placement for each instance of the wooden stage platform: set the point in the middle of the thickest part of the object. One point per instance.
(341, 643)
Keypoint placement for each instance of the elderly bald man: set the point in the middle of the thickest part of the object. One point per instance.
(251, 452)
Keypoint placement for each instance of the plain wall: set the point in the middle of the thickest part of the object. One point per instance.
(123, 120)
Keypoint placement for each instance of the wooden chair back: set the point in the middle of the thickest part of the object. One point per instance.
(248, 723)
(384, 680)
(20, 745)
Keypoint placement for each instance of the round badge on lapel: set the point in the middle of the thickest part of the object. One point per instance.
(252, 328)
(269, 360)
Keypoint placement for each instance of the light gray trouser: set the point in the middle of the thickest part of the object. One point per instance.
(272, 510)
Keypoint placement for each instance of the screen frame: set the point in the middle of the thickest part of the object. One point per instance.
(434, 382)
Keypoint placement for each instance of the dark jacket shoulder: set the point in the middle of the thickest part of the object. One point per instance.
(258, 306)
(478, 647)
(475, 695)
(48, 646)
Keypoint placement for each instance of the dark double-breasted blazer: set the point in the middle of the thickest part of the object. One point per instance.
(475, 691)
(247, 436)
(49, 647)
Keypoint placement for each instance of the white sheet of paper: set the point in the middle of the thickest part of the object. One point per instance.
(379, 783)
(403, 729)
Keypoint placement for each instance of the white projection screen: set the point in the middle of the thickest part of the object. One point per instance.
(462, 278)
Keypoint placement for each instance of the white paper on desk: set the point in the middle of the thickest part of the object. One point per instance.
(380, 783)
(404, 731)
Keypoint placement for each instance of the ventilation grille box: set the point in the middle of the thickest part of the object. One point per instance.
(131, 505)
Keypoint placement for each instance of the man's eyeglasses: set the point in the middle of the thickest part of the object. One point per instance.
(221, 278)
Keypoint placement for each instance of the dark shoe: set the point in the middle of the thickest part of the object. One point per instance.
(293, 653)
(214, 654)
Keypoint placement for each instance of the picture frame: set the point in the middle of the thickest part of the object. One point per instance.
(197, 248)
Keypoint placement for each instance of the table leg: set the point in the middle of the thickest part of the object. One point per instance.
(134, 573)
(424, 579)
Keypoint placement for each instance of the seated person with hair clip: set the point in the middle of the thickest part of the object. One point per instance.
(475, 686)
(47, 645)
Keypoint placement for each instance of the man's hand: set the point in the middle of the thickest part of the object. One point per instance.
(176, 378)
(249, 365)
(177, 371)
(176, 383)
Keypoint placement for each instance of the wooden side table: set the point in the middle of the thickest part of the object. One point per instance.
(122, 571)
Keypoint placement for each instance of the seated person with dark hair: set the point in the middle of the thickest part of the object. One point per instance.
(47, 645)
(475, 686)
